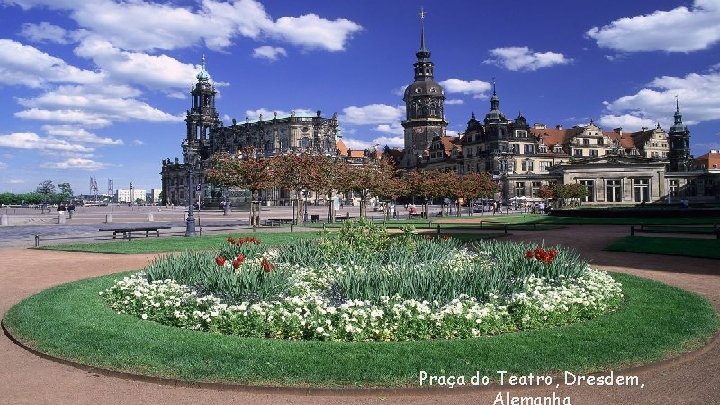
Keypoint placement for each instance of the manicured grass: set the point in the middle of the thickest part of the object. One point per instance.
(552, 220)
(72, 322)
(178, 244)
(693, 247)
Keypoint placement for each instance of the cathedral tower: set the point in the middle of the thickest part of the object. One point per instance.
(202, 115)
(424, 103)
(679, 138)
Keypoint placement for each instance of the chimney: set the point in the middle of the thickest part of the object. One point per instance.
(558, 126)
(618, 130)
(539, 125)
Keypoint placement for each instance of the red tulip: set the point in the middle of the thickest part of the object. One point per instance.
(220, 261)
(266, 265)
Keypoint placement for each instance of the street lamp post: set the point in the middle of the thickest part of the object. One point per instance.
(190, 222)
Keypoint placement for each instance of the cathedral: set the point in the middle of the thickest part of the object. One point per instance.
(617, 166)
(207, 135)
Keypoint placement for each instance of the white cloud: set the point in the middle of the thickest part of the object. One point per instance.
(379, 142)
(312, 31)
(522, 58)
(454, 101)
(476, 88)
(153, 71)
(137, 142)
(76, 163)
(73, 116)
(79, 135)
(26, 65)
(45, 32)
(126, 24)
(628, 122)
(681, 29)
(269, 52)
(393, 128)
(3, 165)
(372, 114)
(16, 181)
(30, 140)
(395, 141)
(656, 102)
(91, 105)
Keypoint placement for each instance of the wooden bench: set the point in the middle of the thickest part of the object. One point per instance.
(278, 221)
(677, 229)
(127, 231)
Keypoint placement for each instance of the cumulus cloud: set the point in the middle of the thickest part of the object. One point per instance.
(393, 128)
(372, 114)
(30, 140)
(681, 29)
(152, 71)
(378, 143)
(312, 31)
(28, 66)
(77, 134)
(126, 24)
(269, 52)
(45, 32)
(476, 88)
(522, 58)
(656, 101)
(91, 105)
(76, 163)
(454, 101)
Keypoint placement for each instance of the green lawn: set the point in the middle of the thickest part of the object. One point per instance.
(72, 322)
(693, 247)
(178, 244)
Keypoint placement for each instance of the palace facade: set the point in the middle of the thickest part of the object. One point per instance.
(617, 167)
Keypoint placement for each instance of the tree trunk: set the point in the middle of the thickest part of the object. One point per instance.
(331, 208)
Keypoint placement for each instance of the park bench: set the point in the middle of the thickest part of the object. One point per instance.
(277, 221)
(127, 231)
(676, 229)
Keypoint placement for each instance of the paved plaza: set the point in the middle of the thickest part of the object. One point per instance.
(692, 378)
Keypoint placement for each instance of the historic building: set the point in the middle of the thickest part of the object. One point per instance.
(424, 107)
(617, 167)
(207, 135)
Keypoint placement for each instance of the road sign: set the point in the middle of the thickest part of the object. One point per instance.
(198, 187)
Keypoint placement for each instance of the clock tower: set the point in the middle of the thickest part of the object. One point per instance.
(424, 104)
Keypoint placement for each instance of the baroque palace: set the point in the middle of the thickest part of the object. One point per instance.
(617, 167)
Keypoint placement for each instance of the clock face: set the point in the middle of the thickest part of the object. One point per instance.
(305, 129)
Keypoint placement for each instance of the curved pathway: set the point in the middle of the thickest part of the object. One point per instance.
(693, 378)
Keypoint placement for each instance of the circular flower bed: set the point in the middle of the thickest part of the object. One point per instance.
(362, 285)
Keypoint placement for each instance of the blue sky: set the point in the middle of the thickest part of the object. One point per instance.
(99, 87)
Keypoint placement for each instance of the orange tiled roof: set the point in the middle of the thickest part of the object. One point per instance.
(356, 153)
(626, 139)
(342, 149)
(447, 142)
(554, 136)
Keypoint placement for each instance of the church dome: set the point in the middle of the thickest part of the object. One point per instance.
(423, 88)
